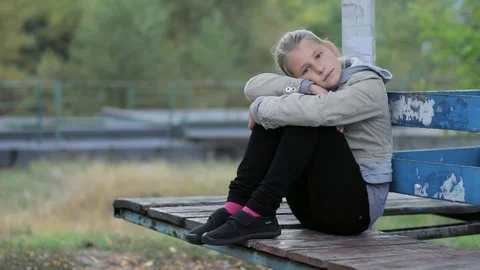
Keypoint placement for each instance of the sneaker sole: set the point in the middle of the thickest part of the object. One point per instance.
(194, 239)
(221, 242)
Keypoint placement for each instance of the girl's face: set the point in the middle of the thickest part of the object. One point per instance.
(315, 61)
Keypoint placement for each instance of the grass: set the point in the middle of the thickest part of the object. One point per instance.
(67, 206)
(77, 197)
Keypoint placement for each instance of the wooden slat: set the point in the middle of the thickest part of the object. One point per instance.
(427, 206)
(208, 209)
(325, 250)
(369, 250)
(179, 218)
(419, 260)
(343, 256)
(141, 205)
(298, 240)
(397, 204)
(439, 231)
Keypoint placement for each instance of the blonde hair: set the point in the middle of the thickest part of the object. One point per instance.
(290, 40)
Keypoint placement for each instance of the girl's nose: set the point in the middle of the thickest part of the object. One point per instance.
(319, 69)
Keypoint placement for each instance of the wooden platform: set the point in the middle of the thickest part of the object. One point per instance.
(299, 248)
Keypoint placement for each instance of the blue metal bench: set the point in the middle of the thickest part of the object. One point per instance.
(438, 181)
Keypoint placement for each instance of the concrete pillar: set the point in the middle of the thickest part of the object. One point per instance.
(358, 29)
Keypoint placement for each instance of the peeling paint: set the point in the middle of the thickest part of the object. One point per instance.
(421, 190)
(451, 190)
(413, 109)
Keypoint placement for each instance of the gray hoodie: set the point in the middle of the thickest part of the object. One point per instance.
(359, 102)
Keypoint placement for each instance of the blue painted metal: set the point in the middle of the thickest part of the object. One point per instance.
(429, 174)
(465, 156)
(242, 253)
(455, 110)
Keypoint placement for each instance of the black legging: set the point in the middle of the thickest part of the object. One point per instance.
(313, 168)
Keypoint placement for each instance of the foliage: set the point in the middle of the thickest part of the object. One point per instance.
(11, 23)
(450, 30)
(398, 47)
(425, 44)
(120, 39)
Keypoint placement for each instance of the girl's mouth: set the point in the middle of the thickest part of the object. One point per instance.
(328, 75)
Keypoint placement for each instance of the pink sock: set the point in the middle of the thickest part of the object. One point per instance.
(251, 212)
(232, 207)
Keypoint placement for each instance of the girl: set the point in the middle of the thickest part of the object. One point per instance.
(335, 181)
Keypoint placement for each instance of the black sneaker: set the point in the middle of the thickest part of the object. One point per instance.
(240, 227)
(216, 219)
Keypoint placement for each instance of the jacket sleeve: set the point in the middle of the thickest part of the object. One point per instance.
(270, 84)
(361, 100)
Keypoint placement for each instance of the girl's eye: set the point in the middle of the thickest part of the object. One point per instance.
(305, 70)
(318, 55)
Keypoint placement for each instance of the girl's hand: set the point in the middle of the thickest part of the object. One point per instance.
(340, 129)
(317, 90)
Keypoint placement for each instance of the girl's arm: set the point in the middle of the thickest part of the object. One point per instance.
(364, 97)
(270, 84)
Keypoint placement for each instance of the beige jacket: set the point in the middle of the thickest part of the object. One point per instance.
(361, 105)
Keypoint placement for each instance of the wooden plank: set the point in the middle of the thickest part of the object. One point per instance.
(439, 231)
(427, 206)
(306, 240)
(452, 110)
(437, 181)
(448, 258)
(147, 202)
(369, 250)
(398, 196)
(397, 204)
(326, 257)
(208, 209)
(141, 205)
(179, 218)
(459, 266)
(191, 220)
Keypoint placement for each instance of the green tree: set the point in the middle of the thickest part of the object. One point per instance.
(121, 40)
(13, 39)
(450, 33)
(50, 25)
(398, 47)
(212, 51)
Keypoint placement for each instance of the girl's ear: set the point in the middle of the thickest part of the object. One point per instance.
(332, 48)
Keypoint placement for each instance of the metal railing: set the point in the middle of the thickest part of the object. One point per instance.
(42, 105)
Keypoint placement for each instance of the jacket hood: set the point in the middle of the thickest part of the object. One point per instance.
(354, 65)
